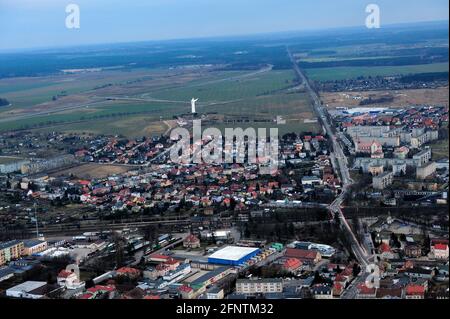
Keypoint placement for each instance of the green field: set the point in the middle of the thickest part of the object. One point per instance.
(102, 111)
(440, 149)
(262, 94)
(234, 89)
(342, 73)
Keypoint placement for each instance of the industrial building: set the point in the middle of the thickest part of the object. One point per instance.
(233, 255)
(11, 164)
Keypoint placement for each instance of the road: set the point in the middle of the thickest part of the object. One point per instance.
(339, 158)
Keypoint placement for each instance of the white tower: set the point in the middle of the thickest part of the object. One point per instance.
(193, 101)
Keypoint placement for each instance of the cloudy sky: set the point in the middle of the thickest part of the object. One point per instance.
(41, 23)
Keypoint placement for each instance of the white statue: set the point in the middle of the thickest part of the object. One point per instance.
(193, 101)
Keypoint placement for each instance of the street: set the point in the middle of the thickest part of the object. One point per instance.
(340, 159)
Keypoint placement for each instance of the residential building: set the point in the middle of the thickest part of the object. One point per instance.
(311, 256)
(322, 292)
(383, 181)
(422, 172)
(259, 286)
(215, 293)
(364, 292)
(31, 247)
(10, 250)
(191, 241)
(413, 291)
(376, 170)
(373, 147)
(292, 264)
(413, 251)
(69, 280)
(440, 251)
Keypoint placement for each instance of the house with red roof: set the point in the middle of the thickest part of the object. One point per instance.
(292, 264)
(186, 292)
(191, 241)
(439, 250)
(128, 272)
(365, 292)
(413, 291)
(69, 280)
(310, 256)
(372, 148)
(385, 251)
(338, 289)
(157, 258)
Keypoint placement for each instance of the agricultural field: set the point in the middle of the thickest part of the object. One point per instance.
(138, 89)
(344, 73)
(266, 83)
(141, 103)
(440, 149)
(401, 98)
(93, 171)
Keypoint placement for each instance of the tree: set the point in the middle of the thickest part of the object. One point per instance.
(150, 233)
(119, 243)
(356, 269)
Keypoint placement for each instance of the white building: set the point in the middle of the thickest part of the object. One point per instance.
(69, 280)
(28, 290)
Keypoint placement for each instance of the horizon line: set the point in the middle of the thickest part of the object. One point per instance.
(215, 37)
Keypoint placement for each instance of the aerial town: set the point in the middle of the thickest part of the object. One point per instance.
(205, 153)
(107, 217)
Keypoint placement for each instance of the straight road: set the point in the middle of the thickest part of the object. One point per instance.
(342, 167)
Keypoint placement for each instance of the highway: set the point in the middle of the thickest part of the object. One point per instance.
(340, 159)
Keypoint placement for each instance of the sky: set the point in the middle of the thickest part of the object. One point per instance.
(41, 23)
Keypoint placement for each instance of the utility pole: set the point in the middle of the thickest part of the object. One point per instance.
(35, 217)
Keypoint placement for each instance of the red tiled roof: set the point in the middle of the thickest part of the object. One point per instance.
(415, 290)
(100, 288)
(292, 263)
(185, 288)
(191, 239)
(440, 246)
(158, 256)
(439, 241)
(364, 290)
(171, 261)
(152, 297)
(127, 271)
(385, 248)
(301, 253)
(338, 286)
(64, 273)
